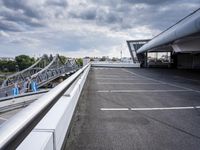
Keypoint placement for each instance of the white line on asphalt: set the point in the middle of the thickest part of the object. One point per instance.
(194, 80)
(154, 108)
(162, 81)
(104, 68)
(127, 83)
(167, 108)
(3, 118)
(113, 76)
(140, 91)
(119, 79)
(114, 109)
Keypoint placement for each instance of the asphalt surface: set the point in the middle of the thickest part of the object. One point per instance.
(7, 115)
(142, 109)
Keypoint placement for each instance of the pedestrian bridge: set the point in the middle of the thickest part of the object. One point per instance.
(42, 72)
(110, 108)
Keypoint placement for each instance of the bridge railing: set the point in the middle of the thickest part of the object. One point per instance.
(22, 75)
(14, 131)
(40, 75)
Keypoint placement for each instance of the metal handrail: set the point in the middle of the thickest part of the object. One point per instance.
(14, 131)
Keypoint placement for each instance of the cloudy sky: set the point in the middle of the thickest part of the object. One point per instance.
(78, 28)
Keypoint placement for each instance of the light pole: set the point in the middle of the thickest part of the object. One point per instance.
(121, 55)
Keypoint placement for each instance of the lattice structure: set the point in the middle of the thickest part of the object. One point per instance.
(42, 72)
(55, 69)
(22, 75)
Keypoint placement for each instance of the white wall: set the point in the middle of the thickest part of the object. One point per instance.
(53, 127)
(117, 65)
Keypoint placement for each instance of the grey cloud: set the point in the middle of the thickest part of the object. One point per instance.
(98, 15)
(85, 14)
(27, 15)
(58, 3)
(10, 26)
(89, 14)
(115, 3)
(155, 14)
(54, 23)
(109, 17)
(159, 18)
(23, 5)
(20, 18)
(148, 2)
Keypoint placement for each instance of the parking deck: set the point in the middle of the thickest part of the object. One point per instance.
(137, 109)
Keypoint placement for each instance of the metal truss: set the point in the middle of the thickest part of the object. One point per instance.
(24, 74)
(55, 69)
(42, 72)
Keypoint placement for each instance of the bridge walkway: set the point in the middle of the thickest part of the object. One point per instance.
(137, 109)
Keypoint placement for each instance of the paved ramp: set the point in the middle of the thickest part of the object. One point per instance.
(145, 109)
(7, 115)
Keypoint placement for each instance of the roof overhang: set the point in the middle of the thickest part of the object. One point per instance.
(188, 26)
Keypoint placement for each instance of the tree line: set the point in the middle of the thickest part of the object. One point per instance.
(22, 62)
(19, 63)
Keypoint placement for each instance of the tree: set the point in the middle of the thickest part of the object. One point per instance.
(63, 58)
(11, 66)
(80, 61)
(91, 59)
(114, 59)
(103, 58)
(7, 65)
(51, 57)
(24, 61)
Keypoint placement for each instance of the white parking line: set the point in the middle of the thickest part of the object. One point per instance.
(114, 109)
(153, 108)
(128, 83)
(167, 108)
(119, 79)
(194, 80)
(140, 91)
(103, 68)
(161, 81)
(3, 118)
(120, 76)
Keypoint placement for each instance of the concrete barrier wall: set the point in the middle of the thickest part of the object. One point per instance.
(53, 127)
(116, 65)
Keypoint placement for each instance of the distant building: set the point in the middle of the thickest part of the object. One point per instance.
(126, 59)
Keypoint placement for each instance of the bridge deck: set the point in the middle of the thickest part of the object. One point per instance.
(7, 115)
(137, 109)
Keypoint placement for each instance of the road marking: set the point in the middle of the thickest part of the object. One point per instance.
(153, 108)
(103, 68)
(114, 109)
(189, 89)
(128, 83)
(168, 108)
(113, 76)
(140, 91)
(119, 79)
(3, 118)
(194, 80)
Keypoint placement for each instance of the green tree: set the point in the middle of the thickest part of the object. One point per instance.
(50, 57)
(24, 61)
(80, 61)
(63, 58)
(11, 66)
(114, 59)
(103, 58)
(7, 65)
